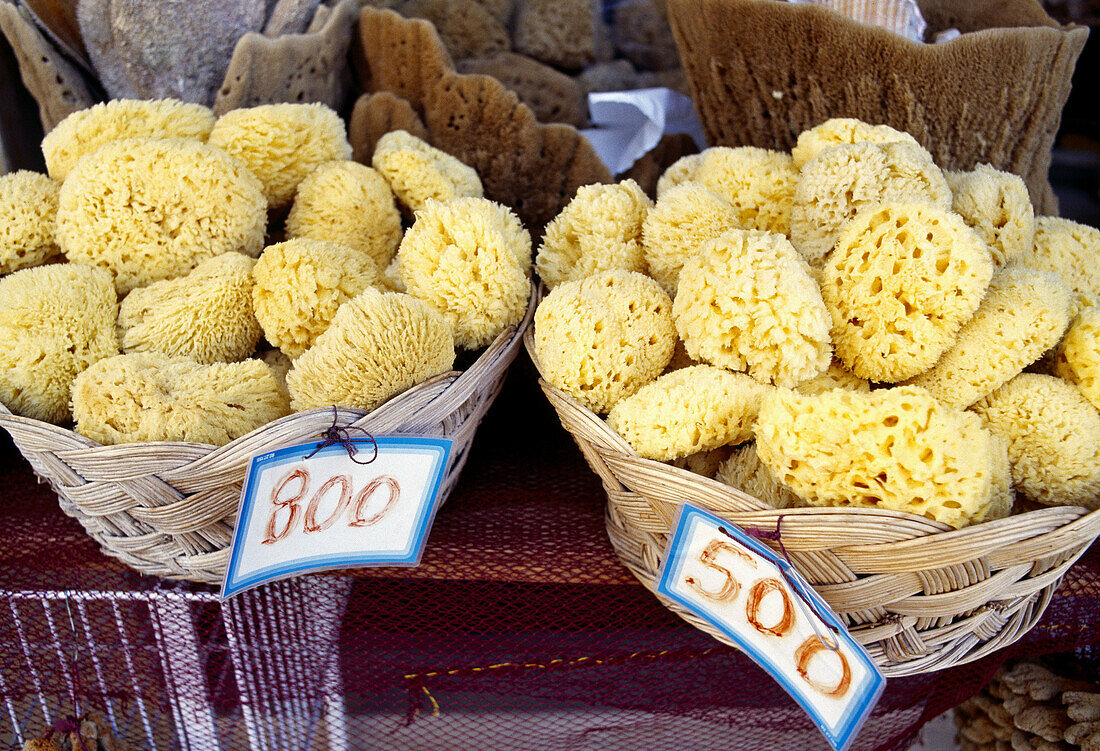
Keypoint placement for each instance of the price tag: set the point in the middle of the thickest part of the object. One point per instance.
(715, 570)
(330, 511)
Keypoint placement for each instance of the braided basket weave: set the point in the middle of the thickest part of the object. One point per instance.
(168, 508)
(918, 595)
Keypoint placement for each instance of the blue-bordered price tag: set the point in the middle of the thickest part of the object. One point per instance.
(741, 587)
(332, 510)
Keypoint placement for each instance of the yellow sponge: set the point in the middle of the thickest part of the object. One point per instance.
(841, 131)
(895, 449)
(744, 470)
(902, 281)
(746, 301)
(152, 397)
(599, 230)
(147, 210)
(679, 172)
(1078, 356)
(205, 316)
(282, 143)
(55, 321)
(299, 285)
(843, 180)
(417, 171)
(379, 344)
(83, 132)
(687, 411)
(28, 217)
(836, 377)
(603, 338)
(1022, 316)
(1068, 249)
(997, 205)
(684, 218)
(351, 204)
(1052, 432)
(758, 183)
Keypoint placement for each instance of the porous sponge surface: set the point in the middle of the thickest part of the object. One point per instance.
(746, 302)
(379, 344)
(85, 131)
(1052, 432)
(902, 281)
(843, 180)
(1078, 357)
(300, 284)
(687, 411)
(152, 397)
(348, 203)
(28, 217)
(1068, 249)
(55, 321)
(470, 260)
(835, 377)
(894, 448)
(1023, 314)
(146, 210)
(681, 171)
(997, 205)
(599, 230)
(206, 316)
(758, 183)
(282, 143)
(418, 172)
(603, 338)
(841, 131)
(744, 470)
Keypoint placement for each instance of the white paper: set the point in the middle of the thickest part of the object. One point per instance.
(628, 124)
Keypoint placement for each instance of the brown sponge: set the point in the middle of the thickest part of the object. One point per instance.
(554, 97)
(375, 115)
(400, 55)
(559, 32)
(466, 29)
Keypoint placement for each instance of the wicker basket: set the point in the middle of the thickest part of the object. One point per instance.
(169, 508)
(916, 594)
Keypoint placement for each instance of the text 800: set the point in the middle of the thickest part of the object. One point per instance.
(294, 486)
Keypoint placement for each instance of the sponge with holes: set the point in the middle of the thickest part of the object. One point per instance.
(836, 377)
(1052, 432)
(687, 411)
(470, 260)
(28, 216)
(599, 230)
(683, 170)
(418, 172)
(152, 397)
(902, 281)
(996, 204)
(897, 449)
(1068, 249)
(758, 183)
(1077, 358)
(841, 131)
(843, 180)
(603, 338)
(744, 470)
(1022, 316)
(746, 301)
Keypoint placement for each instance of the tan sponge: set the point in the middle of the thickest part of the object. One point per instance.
(28, 218)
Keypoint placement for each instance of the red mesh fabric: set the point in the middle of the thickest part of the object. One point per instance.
(520, 630)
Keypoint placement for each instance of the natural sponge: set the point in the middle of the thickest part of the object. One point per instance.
(1078, 356)
(836, 377)
(351, 204)
(55, 321)
(687, 411)
(85, 131)
(895, 449)
(466, 29)
(147, 210)
(603, 338)
(902, 280)
(599, 230)
(996, 204)
(843, 180)
(205, 316)
(684, 218)
(757, 182)
(1022, 316)
(681, 171)
(559, 32)
(470, 260)
(28, 216)
(1052, 432)
(379, 344)
(417, 171)
(153, 397)
(746, 301)
(282, 143)
(299, 285)
(1068, 249)
(744, 470)
(841, 131)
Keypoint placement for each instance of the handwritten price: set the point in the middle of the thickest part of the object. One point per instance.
(288, 493)
(731, 588)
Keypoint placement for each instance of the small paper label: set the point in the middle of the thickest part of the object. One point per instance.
(331, 511)
(756, 598)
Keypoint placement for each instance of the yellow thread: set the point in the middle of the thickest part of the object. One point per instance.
(435, 704)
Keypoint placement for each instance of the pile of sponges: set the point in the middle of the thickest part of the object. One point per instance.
(182, 277)
(845, 325)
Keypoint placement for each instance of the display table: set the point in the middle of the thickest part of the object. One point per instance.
(520, 629)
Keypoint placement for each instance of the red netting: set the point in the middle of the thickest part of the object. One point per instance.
(520, 630)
